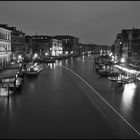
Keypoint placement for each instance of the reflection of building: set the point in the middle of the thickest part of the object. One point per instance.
(17, 40)
(56, 48)
(70, 43)
(5, 46)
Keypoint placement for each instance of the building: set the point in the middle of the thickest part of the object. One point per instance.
(70, 44)
(93, 48)
(41, 44)
(135, 45)
(56, 48)
(28, 46)
(17, 41)
(127, 45)
(5, 46)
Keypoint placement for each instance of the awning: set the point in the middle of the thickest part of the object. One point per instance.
(8, 73)
(128, 68)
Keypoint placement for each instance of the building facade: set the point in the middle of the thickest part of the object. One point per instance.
(17, 41)
(41, 44)
(127, 45)
(70, 44)
(5, 46)
(56, 48)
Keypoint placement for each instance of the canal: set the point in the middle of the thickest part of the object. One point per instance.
(69, 100)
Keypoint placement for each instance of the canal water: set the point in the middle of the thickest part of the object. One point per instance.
(52, 105)
(124, 98)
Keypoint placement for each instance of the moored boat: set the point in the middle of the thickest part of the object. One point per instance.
(33, 69)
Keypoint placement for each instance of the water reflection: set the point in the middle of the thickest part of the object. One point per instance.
(58, 63)
(127, 100)
(66, 61)
(6, 106)
(32, 86)
(52, 65)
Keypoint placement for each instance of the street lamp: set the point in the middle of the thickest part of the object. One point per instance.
(46, 54)
(122, 60)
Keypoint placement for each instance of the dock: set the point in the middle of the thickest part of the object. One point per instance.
(8, 78)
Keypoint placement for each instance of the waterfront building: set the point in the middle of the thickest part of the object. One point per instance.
(40, 44)
(5, 46)
(28, 46)
(56, 48)
(70, 44)
(93, 48)
(126, 45)
(135, 45)
(17, 42)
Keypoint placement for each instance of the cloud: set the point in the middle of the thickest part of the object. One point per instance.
(97, 21)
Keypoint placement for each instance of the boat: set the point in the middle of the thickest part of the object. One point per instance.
(106, 72)
(19, 82)
(33, 69)
(122, 80)
(31, 72)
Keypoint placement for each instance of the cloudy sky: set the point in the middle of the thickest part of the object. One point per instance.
(92, 21)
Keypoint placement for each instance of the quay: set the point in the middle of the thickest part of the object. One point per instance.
(8, 79)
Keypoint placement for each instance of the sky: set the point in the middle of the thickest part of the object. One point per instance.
(93, 22)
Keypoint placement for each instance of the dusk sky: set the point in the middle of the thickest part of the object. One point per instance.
(95, 22)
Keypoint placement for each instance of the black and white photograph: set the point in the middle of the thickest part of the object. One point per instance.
(69, 70)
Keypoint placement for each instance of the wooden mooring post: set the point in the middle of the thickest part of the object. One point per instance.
(8, 91)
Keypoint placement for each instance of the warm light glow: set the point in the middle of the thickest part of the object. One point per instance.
(46, 53)
(110, 54)
(4, 92)
(71, 52)
(66, 52)
(53, 53)
(126, 69)
(19, 57)
(122, 60)
(89, 52)
(35, 56)
(50, 65)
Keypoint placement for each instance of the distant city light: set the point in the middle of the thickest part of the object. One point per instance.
(53, 53)
(35, 55)
(110, 54)
(66, 52)
(122, 60)
(71, 52)
(19, 57)
(89, 52)
(46, 53)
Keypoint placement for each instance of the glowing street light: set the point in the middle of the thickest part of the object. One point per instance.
(19, 57)
(122, 60)
(71, 52)
(46, 54)
(35, 55)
